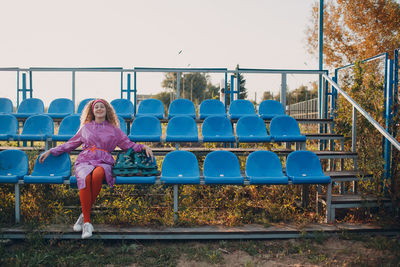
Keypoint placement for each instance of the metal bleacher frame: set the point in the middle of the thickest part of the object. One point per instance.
(322, 120)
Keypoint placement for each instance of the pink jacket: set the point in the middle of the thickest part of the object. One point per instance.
(98, 140)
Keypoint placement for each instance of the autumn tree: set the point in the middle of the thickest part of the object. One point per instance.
(355, 29)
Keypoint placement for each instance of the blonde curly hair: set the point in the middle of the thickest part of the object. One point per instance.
(88, 115)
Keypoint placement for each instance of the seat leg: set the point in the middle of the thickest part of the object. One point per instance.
(176, 203)
(17, 204)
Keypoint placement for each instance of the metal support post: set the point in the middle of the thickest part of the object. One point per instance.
(73, 88)
(176, 203)
(23, 86)
(178, 84)
(283, 90)
(134, 92)
(17, 204)
(388, 117)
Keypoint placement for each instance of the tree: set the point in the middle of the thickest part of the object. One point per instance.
(355, 29)
(194, 86)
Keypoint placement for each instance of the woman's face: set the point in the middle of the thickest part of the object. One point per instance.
(99, 110)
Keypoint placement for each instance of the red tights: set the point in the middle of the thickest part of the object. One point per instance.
(88, 194)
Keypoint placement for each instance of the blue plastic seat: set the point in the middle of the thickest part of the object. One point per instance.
(68, 128)
(241, 107)
(151, 107)
(14, 165)
(123, 107)
(182, 129)
(37, 128)
(284, 128)
(217, 129)
(8, 127)
(180, 107)
(146, 129)
(222, 167)
(60, 108)
(122, 124)
(54, 170)
(6, 105)
(264, 167)
(29, 107)
(82, 105)
(135, 179)
(252, 129)
(269, 109)
(304, 167)
(180, 167)
(211, 107)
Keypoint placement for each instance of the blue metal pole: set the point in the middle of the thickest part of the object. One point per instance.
(321, 51)
(396, 87)
(238, 84)
(122, 84)
(232, 86)
(134, 92)
(17, 89)
(388, 116)
(128, 87)
(226, 88)
(30, 84)
(23, 86)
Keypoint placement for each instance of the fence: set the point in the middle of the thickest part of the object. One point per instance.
(304, 110)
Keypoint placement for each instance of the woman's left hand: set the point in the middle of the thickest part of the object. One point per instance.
(149, 152)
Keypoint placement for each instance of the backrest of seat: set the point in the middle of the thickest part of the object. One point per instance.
(302, 162)
(38, 124)
(263, 164)
(122, 124)
(181, 107)
(216, 125)
(241, 107)
(211, 107)
(61, 105)
(122, 106)
(6, 105)
(284, 125)
(270, 108)
(53, 165)
(82, 104)
(14, 162)
(146, 125)
(152, 107)
(251, 125)
(221, 164)
(31, 105)
(69, 125)
(182, 125)
(180, 163)
(8, 124)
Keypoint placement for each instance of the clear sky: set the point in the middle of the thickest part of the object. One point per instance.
(133, 33)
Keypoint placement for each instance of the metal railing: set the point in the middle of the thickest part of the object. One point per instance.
(357, 107)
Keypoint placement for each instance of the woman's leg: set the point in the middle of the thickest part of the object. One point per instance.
(85, 196)
(97, 182)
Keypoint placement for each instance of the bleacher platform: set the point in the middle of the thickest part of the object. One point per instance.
(241, 124)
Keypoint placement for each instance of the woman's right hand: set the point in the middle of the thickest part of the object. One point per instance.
(43, 156)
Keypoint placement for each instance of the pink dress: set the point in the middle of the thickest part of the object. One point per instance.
(98, 140)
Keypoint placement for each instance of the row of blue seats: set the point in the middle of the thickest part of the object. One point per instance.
(179, 167)
(62, 107)
(251, 128)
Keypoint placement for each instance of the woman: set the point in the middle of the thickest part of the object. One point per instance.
(99, 134)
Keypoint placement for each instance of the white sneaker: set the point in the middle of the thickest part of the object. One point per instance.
(78, 225)
(87, 230)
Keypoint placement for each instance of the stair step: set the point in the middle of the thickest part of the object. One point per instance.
(355, 200)
(347, 176)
